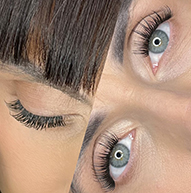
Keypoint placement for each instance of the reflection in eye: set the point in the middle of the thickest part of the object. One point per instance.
(111, 158)
(154, 36)
(34, 121)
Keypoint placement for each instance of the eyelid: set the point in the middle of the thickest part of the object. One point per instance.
(36, 121)
(163, 10)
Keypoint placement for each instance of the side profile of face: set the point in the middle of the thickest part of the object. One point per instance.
(48, 77)
(138, 137)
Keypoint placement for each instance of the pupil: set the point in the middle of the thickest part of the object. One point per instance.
(118, 154)
(157, 42)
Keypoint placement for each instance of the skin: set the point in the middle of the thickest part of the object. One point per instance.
(156, 107)
(46, 51)
(38, 160)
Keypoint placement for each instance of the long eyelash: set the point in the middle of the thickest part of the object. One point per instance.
(101, 169)
(34, 121)
(149, 25)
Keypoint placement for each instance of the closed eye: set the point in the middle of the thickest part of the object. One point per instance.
(36, 121)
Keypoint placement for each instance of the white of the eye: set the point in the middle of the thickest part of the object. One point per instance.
(116, 172)
(155, 58)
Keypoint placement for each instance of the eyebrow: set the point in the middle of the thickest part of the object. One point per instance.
(74, 188)
(94, 123)
(35, 74)
(98, 118)
(120, 31)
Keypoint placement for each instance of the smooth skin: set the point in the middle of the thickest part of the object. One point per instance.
(156, 106)
(38, 161)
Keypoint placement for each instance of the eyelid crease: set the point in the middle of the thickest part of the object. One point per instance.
(35, 121)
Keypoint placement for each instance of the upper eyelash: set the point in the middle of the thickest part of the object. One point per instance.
(101, 170)
(148, 27)
(31, 120)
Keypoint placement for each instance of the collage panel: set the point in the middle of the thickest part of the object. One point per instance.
(138, 136)
(95, 96)
(52, 54)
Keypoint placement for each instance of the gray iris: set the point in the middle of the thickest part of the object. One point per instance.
(158, 42)
(119, 156)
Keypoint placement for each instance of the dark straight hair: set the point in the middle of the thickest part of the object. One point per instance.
(67, 39)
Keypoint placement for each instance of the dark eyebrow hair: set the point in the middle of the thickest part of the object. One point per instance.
(93, 125)
(120, 31)
(75, 187)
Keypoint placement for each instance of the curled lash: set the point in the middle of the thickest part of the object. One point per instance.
(101, 167)
(149, 24)
(31, 120)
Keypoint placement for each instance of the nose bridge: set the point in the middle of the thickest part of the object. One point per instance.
(143, 101)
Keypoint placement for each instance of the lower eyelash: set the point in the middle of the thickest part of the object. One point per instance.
(34, 121)
(150, 24)
(101, 169)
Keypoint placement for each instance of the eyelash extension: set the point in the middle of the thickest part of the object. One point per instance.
(101, 169)
(151, 22)
(34, 121)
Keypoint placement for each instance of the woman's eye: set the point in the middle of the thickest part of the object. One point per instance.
(119, 157)
(153, 36)
(111, 158)
(34, 121)
(158, 44)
